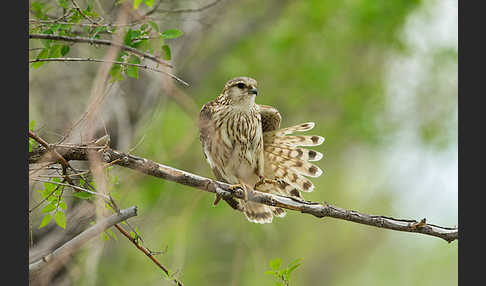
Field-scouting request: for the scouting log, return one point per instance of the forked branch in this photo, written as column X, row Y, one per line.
column 320, row 210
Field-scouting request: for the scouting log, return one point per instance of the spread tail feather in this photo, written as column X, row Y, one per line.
column 287, row 164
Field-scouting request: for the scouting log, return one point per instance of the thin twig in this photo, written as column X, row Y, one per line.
column 102, row 61
column 35, row 21
column 147, row 252
column 74, row 187
column 46, row 145
column 45, row 199
column 64, row 163
column 224, row 190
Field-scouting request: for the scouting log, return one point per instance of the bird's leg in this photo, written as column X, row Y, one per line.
column 262, row 181
column 243, row 186
column 232, row 188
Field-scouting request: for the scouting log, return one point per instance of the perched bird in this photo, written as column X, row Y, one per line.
column 244, row 145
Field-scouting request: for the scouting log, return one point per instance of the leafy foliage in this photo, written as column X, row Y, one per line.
column 55, row 207
column 282, row 275
column 144, row 35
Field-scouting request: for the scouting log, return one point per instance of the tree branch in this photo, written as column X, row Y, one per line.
column 70, row 246
column 147, row 252
column 100, row 42
column 101, row 61
column 149, row 167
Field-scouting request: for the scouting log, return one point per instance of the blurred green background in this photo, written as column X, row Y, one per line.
column 379, row 79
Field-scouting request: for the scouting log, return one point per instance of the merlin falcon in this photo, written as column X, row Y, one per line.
column 245, row 147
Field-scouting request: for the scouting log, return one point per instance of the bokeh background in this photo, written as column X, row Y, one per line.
column 379, row 78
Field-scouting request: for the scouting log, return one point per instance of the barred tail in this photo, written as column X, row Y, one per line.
column 256, row 212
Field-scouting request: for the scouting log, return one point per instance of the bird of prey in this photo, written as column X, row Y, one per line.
column 245, row 147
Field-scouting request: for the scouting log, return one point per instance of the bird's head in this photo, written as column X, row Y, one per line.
column 240, row 91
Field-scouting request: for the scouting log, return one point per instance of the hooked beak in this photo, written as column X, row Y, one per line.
column 253, row 91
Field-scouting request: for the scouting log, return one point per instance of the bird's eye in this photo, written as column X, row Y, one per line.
column 241, row 85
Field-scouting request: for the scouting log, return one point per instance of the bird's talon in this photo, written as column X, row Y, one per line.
column 240, row 186
column 419, row 224
column 237, row 186
column 262, row 181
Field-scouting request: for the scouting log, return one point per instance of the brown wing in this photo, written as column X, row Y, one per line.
column 270, row 118
column 205, row 116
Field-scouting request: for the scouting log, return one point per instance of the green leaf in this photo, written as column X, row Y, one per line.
column 49, row 187
column 295, row 262
column 136, row 3
column 42, row 55
column 171, row 34
column 105, row 236
column 49, row 208
column 53, row 199
column 45, row 220
column 83, row 195
column 63, row 205
column 132, row 71
column 64, row 50
column 166, row 50
column 293, row 267
column 44, row 193
column 60, row 218
column 37, row 8
column 31, row 125
column 149, row 3
column 116, row 73
column 275, row 264
column 154, row 25
column 30, row 146
column 55, row 51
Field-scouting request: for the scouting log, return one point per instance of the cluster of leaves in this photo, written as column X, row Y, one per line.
column 55, row 206
column 282, row 275
column 144, row 36
column 62, row 27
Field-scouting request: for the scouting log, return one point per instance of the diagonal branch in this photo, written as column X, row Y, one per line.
column 72, row 245
column 148, row 253
column 319, row 210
